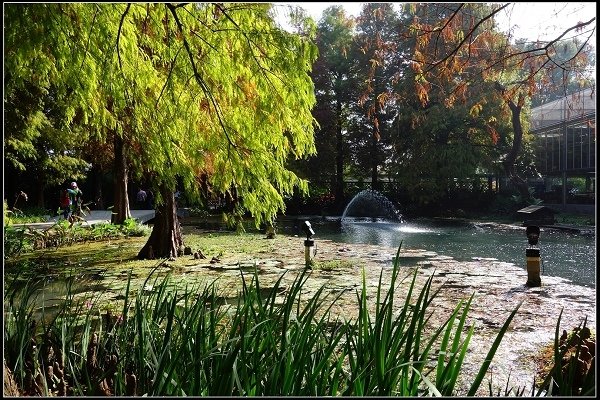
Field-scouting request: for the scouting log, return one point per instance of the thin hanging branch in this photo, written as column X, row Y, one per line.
column 199, row 80
column 119, row 38
column 467, row 37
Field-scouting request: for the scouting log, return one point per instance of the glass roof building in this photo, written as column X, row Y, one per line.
column 565, row 148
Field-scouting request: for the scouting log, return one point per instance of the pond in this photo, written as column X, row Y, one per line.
column 567, row 255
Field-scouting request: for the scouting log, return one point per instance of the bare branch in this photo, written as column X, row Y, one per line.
column 467, row 36
column 168, row 77
column 119, row 35
column 117, row 44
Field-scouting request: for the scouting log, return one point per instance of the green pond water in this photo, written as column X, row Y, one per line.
column 566, row 255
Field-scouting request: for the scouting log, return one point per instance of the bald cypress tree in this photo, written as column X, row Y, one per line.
column 184, row 91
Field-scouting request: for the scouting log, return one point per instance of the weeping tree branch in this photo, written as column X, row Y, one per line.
column 440, row 30
column 250, row 43
column 199, row 80
column 119, row 38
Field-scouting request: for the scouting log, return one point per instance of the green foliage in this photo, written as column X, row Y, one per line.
column 578, row 184
column 529, row 201
column 195, row 89
column 437, row 148
column 369, row 87
column 377, row 50
column 264, row 342
column 39, row 141
column 576, row 219
column 25, row 216
column 329, row 265
column 18, row 240
column 6, row 213
column 335, row 93
column 505, row 203
column 129, row 228
column 19, row 326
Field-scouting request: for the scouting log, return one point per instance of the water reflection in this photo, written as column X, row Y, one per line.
column 49, row 290
column 414, row 229
column 566, row 255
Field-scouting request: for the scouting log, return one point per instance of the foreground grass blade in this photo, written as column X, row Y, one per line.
column 488, row 359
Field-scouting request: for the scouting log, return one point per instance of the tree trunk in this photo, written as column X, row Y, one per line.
column 166, row 240
column 339, row 158
column 121, row 210
column 98, row 200
column 40, row 186
column 41, row 198
column 374, row 164
column 511, row 158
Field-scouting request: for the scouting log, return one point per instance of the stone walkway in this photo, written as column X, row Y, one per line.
column 95, row 217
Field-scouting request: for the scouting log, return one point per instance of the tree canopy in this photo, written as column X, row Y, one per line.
column 217, row 98
column 442, row 95
column 200, row 89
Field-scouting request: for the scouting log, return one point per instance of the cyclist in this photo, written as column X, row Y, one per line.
column 75, row 201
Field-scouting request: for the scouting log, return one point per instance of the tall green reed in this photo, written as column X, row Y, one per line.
column 19, row 345
column 389, row 353
column 174, row 341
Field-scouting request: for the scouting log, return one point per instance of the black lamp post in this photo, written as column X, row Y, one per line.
column 532, row 254
column 309, row 244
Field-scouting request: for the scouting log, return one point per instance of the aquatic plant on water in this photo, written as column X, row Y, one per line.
column 169, row 341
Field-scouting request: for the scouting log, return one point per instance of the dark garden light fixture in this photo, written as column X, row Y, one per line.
column 532, row 254
column 309, row 244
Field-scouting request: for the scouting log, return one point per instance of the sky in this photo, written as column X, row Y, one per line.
column 532, row 21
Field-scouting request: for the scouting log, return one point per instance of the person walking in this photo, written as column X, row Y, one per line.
column 65, row 203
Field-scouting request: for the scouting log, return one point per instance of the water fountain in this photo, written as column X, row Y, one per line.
column 372, row 205
column 371, row 218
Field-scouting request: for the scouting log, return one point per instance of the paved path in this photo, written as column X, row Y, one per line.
column 95, row 217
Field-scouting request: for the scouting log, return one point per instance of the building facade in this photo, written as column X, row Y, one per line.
column 565, row 150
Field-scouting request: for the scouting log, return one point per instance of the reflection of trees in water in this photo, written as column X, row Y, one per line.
column 359, row 233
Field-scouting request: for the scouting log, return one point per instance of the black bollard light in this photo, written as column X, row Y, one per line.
column 309, row 244
column 532, row 254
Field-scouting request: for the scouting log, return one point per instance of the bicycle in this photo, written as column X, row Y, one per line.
column 81, row 211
